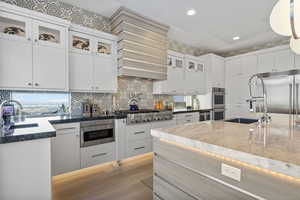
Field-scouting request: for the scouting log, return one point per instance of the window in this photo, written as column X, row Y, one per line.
column 43, row 103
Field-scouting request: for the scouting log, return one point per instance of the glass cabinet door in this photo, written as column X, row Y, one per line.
column 200, row 67
column 15, row 27
column 179, row 62
column 49, row 34
column 191, row 65
column 80, row 43
column 104, row 48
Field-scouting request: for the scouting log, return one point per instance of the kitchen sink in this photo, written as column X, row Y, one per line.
column 23, row 126
column 242, row 120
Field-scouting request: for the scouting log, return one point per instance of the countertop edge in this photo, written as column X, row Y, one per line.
column 27, row 137
column 288, row 169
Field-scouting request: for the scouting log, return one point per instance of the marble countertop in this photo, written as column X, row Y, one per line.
column 275, row 147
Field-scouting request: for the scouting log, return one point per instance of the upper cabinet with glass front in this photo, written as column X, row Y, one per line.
column 33, row 50
column 93, row 61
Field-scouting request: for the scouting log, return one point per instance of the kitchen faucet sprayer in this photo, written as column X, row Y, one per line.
column 265, row 118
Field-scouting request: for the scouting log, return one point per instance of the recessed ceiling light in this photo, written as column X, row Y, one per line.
column 236, row 38
column 191, row 12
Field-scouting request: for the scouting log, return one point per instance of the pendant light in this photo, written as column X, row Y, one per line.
column 285, row 20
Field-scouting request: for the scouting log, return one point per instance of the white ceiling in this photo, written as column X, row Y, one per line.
column 211, row 29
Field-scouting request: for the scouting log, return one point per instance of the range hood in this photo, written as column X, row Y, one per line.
column 142, row 45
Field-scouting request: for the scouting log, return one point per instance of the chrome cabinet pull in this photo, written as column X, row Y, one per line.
column 30, row 84
column 36, row 84
column 137, row 148
column 139, row 132
column 99, row 155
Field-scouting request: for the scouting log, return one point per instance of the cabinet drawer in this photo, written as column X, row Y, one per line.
column 200, row 187
column 251, row 180
column 138, row 132
column 62, row 129
column 165, row 191
column 97, row 154
column 135, row 148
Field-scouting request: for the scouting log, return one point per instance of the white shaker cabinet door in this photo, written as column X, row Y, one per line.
column 284, row 60
column 105, row 74
column 49, row 68
column 15, row 64
column 266, row 62
column 81, row 72
column 65, row 149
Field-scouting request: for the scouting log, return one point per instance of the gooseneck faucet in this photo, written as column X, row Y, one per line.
column 265, row 118
column 3, row 104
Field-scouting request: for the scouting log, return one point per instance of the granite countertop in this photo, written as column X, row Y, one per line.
column 42, row 129
column 275, row 147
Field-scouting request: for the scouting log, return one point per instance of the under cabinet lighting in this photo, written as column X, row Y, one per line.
column 236, row 38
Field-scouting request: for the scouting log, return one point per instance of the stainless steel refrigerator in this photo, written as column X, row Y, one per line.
column 282, row 92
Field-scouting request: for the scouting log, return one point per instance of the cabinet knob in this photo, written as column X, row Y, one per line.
column 29, row 39
column 36, row 40
column 97, row 87
column 30, row 84
column 36, row 84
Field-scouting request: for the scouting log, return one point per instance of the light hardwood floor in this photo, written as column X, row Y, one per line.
column 106, row 182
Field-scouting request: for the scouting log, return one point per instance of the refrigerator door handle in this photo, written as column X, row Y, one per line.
column 297, row 98
column 291, row 99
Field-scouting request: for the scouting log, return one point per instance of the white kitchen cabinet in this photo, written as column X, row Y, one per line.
column 238, row 72
column 136, row 139
column 215, row 70
column 97, row 154
column 275, row 61
column 195, row 79
column 138, row 147
column 50, row 69
column 15, row 73
column 65, row 148
column 183, row 118
column 175, row 76
column 34, row 53
column 81, row 71
column 93, row 61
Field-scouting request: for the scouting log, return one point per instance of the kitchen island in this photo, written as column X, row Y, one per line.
column 224, row 160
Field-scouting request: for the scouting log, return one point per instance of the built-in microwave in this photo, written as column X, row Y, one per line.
column 96, row 132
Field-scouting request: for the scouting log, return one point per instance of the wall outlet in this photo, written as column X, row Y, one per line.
column 231, row 172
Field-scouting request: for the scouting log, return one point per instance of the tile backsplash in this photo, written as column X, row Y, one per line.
column 103, row 100
column 130, row 85
column 4, row 95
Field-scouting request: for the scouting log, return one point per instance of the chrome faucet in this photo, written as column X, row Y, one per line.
column 265, row 118
column 3, row 104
